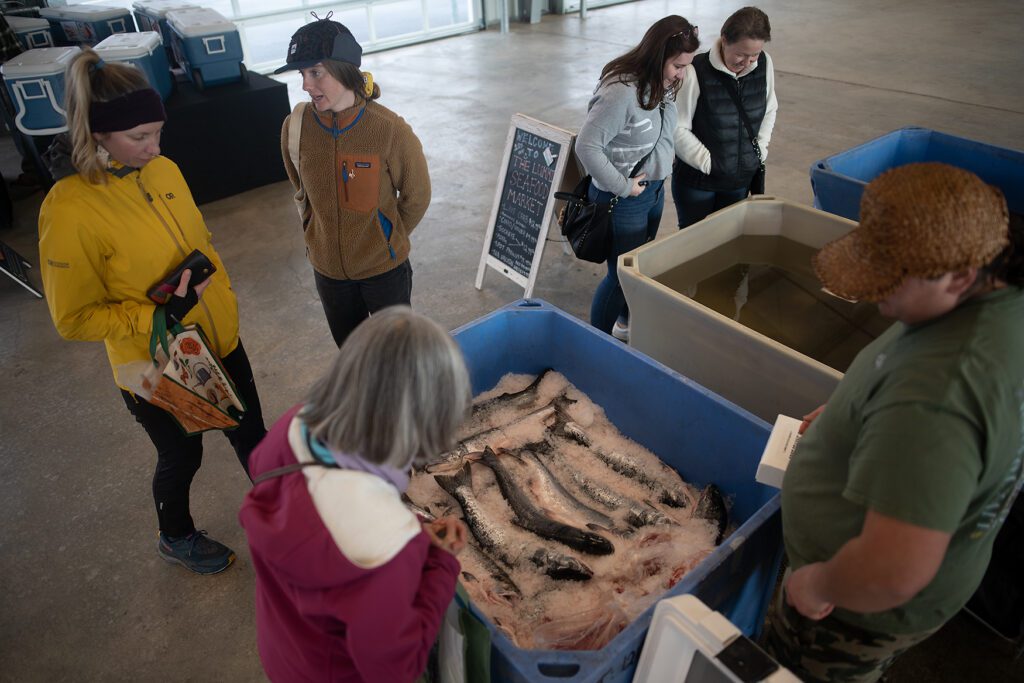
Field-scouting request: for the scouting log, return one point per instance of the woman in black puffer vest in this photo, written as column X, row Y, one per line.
column 715, row 158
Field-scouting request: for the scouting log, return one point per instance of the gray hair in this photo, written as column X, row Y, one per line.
column 397, row 393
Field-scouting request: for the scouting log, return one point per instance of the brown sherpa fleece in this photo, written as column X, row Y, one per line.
column 386, row 173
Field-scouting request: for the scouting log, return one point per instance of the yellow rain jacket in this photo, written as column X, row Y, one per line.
column 101, row 247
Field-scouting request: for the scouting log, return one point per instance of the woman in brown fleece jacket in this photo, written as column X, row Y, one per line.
column 364, row 175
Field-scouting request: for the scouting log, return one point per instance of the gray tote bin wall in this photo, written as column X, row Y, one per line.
column 751, row 370
column 703, row 437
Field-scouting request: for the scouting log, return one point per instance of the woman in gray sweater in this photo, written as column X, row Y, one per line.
column 626, row 145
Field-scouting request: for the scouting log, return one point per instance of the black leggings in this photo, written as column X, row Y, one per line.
column 178, row 456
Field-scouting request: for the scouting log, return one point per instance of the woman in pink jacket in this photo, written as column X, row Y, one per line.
column 351, row 585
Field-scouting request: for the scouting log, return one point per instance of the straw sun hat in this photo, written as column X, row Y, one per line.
column 919, row 220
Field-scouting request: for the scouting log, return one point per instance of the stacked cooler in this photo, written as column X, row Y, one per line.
column 35, row 82
column 142, row 50
column 151, row 15
column 87, row 23
column 31, row 31
column 207, row 46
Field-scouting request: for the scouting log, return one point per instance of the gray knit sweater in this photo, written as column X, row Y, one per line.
column 617, row 133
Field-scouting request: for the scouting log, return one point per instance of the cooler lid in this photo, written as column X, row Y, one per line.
column 129, row 45
column 199, row 22
column 26, row 24
column 40, row 61
column 160, row 8
column 83, row 13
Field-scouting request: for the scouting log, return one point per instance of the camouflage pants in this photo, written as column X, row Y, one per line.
column 829, row 650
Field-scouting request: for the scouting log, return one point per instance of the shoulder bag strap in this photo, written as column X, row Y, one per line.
column 287, row 469
column 661, row 129
column 733, row 90
column 295, row 133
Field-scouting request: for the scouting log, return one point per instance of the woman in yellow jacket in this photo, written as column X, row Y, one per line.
column 120, row 218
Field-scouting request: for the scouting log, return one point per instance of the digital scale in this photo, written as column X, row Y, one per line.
column 688, row 642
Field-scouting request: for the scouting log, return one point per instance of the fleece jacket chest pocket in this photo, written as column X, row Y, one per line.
column 358, row 181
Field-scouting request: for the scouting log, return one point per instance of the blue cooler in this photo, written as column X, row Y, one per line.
column 32, row 32
column 151, row 15
column 838, row 181
column 35, row 82
column 144, row 51
column 87, row 23
column 207, row 46
column 704, row 437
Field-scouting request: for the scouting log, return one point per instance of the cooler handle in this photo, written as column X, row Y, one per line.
column 40, row 39
column 21, row 96
column 214, row 40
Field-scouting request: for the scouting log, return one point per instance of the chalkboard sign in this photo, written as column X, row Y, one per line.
column 532, row 170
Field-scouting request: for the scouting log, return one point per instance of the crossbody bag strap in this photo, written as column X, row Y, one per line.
column 734, row 93
column 661, row 129
column 295, row 133
column 287, row 469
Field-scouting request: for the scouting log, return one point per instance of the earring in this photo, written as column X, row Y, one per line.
column 102, row 155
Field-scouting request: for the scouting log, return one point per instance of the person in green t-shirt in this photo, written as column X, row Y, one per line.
column 898, row 488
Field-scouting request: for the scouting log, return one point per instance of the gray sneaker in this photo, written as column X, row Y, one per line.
column 197, row 552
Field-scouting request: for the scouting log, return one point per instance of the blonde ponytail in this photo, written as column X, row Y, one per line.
column 89, row 79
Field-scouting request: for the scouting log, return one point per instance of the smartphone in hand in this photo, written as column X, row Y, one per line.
column 201, row 267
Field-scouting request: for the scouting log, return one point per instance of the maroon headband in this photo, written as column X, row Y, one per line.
column 127, row 111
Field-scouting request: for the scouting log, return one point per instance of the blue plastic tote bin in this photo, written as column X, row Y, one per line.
column 207, row 46
column 32, row 32
column 703, row 436
column 144, row 51
column 151, row 15
column 838, row 181
column 35, row 81
column 87, row 23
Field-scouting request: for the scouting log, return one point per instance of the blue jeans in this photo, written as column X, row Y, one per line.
column 635, row 222
column 694, row 205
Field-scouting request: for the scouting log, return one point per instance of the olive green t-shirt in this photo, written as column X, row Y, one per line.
column 925, row 427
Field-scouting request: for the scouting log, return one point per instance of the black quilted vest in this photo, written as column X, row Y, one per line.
column 717, row 123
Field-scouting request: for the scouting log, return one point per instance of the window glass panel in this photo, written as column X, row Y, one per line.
column 397, row 18
column 269, row 42
column 222, row 6
column 249, row 7
column 355, row 20
column 441, row 13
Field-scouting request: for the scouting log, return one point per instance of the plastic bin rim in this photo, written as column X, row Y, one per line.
column 523, row 305
column 737, row 327
column 824, row 165
column 633, row 271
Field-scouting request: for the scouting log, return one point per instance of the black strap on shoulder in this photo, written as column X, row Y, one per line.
column 287, row 469
column 639, row 164
column 734, row 93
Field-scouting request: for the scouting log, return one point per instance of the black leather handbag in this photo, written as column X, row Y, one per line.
column 587, row 225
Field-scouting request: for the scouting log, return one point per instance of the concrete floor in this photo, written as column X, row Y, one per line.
column 85, row 596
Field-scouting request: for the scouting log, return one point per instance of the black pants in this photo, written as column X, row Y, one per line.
column 349, row 302
column 178, row 456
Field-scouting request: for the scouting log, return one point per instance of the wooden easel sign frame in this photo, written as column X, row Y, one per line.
column 532, row 168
